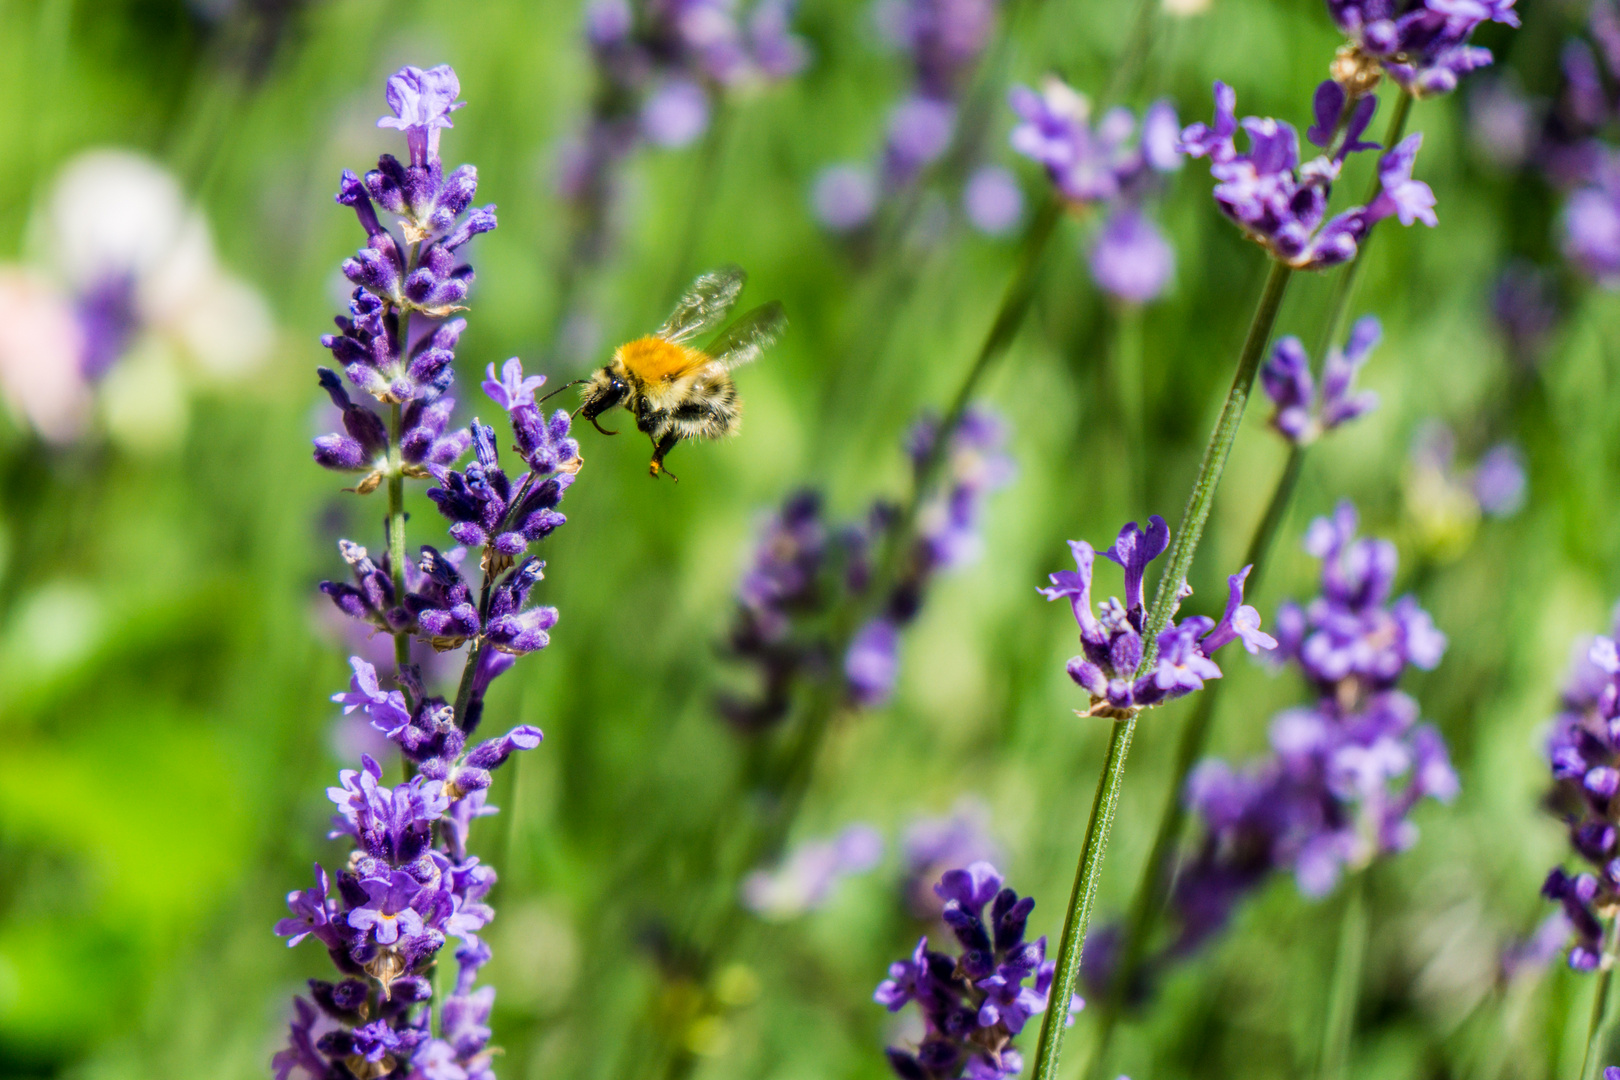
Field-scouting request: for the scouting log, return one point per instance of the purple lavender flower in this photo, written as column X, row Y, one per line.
column 1422, row 46
column 1346, row 771
column 1280, row 203
column 872, row 663
column 974, row 1005
column 1304, row 412
column 1591, row 228
column 1093, row 164
column 1499, row 481
column 844, row 197
column 807, row 877
column 1502, row 122
column 1108, row 667
column 409, row 883
column 1525, row 305
column 1585, row 759
column 992, row 200
column 1130, row 259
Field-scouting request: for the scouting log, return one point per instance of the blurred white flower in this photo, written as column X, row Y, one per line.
column 125, row 277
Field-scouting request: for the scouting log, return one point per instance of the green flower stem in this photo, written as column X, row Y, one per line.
column 1346, row 985
column 1597, row 1029
column 396, row 527
column 1082, row 898
column 1148, row 900
column 1089, row 871
column 1167, row 599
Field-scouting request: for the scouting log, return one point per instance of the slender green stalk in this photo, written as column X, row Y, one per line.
column 1346, row 985
column 1082, row 899
column 1597, row 1029
column 1168, row 597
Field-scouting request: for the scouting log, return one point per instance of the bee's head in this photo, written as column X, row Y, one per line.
column 602, row 392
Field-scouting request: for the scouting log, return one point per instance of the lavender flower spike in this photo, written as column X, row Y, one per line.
column 1281, row 203
column 974, row 1005
column 1305, row 412
column 1585, row 757
column 409, row 883
column 1111, row 644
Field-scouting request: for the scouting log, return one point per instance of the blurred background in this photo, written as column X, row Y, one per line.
column 166, row 661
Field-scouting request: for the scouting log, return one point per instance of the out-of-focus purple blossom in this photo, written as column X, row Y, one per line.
column 1583, row 750
column 920, row 131
column 1108, row 667
column 805, row 565
column 1281, row 203
column 661, row 67
column 942, row 40
column 844, row 197
column 807, row 877
column 1525, row 304
column 1304, row 410
column 1499, row 481
column 675, row 114
column 932, row 846
column 1130, row 259
column 1423, row 46
column 1535, row 954
column 1091, row 164
column 1502, row 122
column 1591, row 227
column 1345, row 772
column 974, row 1005
column 872, row 663
column 1446, row 500
column 992, row 200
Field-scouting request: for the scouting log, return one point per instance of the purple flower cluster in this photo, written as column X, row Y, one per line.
column 410, row 883
column 1584, row 751
column 1110, row 165
column 1107, row 669
column 395, row 276
column 1423, row 46
column 1305, row 411
column 804, row 565
column 406, row 888
column 659, row 65
column 1591, row 225
column 1329, row 797
column 975, row 1004
column 947, row 536
column 943, row 40
column 805, row 880
column 1282, row 204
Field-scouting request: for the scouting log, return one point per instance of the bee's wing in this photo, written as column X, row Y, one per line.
column 752, row 333
column 706, row 302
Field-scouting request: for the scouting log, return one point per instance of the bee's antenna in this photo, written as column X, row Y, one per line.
column 561, row 388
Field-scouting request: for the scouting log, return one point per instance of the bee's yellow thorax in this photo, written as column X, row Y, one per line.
column 652, row 359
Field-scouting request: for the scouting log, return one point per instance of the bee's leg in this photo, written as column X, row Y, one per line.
column 660, row 448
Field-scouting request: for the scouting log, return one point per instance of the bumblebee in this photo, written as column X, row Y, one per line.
column 675, row 390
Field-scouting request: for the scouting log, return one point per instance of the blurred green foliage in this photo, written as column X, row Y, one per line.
column 165, row 733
